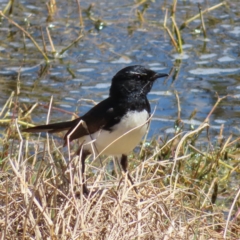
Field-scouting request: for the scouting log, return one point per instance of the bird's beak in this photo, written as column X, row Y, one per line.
column 160, row 75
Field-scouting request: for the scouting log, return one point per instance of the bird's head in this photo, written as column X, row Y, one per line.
column 136, row 80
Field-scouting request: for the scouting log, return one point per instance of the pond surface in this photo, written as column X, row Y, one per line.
column 116, row 34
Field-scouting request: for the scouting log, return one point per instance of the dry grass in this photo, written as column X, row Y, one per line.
column 41, row 193
column 36, row 203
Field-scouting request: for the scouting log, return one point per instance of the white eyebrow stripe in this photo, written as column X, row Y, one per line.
column 137, row 73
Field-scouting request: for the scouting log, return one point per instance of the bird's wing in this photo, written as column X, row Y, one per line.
column 102, row 116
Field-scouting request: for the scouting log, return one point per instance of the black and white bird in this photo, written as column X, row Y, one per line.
column 117, row 124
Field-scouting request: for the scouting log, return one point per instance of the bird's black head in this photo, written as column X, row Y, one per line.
column 136, row 80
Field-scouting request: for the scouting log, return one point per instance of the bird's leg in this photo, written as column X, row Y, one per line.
column 124, row 164
column 83, row 154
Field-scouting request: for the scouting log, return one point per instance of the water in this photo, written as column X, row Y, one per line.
column 115, row 38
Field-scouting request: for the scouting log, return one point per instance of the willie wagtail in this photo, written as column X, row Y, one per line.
column 117, row 124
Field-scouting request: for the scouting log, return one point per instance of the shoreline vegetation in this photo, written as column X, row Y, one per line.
column 184, row 189
column 186, row 186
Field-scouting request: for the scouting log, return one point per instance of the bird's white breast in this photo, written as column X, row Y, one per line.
column 122, row 138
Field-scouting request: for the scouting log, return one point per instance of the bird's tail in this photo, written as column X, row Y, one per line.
column 50, row 128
